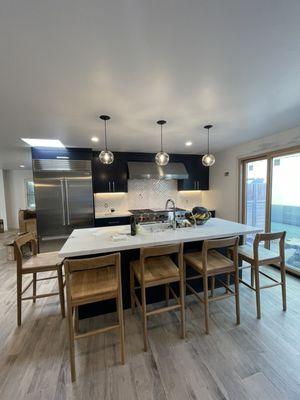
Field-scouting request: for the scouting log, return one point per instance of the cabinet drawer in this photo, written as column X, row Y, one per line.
column 99, row 222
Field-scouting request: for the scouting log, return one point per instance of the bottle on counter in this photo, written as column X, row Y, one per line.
column 132, row 226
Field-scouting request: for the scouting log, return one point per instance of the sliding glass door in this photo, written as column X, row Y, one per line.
column 255, row 194
column 271, row 199
column 285, row 204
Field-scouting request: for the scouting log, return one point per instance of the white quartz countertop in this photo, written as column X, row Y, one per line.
column 91, row 241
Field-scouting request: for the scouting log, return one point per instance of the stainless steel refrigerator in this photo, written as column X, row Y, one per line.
column 64, row 197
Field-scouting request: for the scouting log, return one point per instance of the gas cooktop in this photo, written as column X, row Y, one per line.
column 153, row 210
column 145, row 215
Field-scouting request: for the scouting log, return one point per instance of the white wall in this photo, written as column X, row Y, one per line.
column 15, row 194
column 223, row 194
column 2, row 200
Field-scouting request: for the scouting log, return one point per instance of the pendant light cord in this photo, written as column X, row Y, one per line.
column 105, row 135
column 161, row 139
column 208, row 141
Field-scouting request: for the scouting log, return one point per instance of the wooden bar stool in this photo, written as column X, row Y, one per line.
column 43, row 262
column 155, row 268
column 256, row 256
column 210, row 263
column 88, row 281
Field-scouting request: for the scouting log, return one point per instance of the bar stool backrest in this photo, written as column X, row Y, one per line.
column 267, row 237
column 158, row 251
column 83, row 264
column 74, row 266
column 27, row 238
column 231, row 242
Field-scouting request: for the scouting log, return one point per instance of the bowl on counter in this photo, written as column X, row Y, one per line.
column 198, row 216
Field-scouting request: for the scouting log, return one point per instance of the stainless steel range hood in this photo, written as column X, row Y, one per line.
column 150, row 170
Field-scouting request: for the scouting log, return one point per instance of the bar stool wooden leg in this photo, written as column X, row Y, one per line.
column 283, row 285
column 227, row 282
column 237, row 296
column 61, row 291
column 206, row 311
column 19, row 298
column 132, row 299
column 71, row 342
column 34, row 287
column 257, row 290
column 121, row 323
column 182, row 302
column 184, row 279
column 167, row 292
column 252, row 276
column 213, row 283
column 76, row 319
column 144, row 316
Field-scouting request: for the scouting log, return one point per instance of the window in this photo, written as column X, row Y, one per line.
column 30, row 199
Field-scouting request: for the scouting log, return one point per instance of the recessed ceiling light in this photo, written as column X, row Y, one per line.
column 94, row 139
column 43, row 142
column 22, row 166
column 188, row 143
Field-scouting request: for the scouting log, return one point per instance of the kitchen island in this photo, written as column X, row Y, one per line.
column 96, row 241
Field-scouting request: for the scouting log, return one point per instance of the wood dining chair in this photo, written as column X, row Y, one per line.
column 209, row 263
column 154, row 268
column 91, row 280
column 257, row 256
column 36, row 263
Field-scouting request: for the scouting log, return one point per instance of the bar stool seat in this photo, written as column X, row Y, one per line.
column 94, row 285
column 42, row 262
column 157, row 269
column 264, row 255
column 216, row 262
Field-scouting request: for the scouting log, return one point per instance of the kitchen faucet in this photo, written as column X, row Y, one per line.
column 174, row 211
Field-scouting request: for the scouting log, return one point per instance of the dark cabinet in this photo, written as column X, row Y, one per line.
column 100, row 222
column 198, row 174
column 112, row 177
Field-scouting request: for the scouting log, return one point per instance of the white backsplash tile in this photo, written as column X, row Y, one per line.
column 146, row 193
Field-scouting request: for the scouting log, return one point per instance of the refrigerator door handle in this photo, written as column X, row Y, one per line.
column 67, row 202
column 63, row 202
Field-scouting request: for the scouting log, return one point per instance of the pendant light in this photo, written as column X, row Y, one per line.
column 208, row 159
column 161, row 158
column 106, row 156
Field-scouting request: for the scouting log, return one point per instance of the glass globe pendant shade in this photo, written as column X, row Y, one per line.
column 106, row 157
column 208, row 160
column 162, row 158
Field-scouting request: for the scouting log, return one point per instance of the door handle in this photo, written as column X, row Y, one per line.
column 113, row 186
column 198, row 186
column 194, row 184
column 109, row 187
column 67, row 202
column 63, row 202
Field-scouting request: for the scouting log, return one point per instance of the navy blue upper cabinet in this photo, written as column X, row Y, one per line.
column 198, row 173
column 112, row 177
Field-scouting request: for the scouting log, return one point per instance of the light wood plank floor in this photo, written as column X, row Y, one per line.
column 257, row 360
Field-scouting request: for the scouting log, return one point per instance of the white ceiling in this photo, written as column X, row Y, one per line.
column 233, row 63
